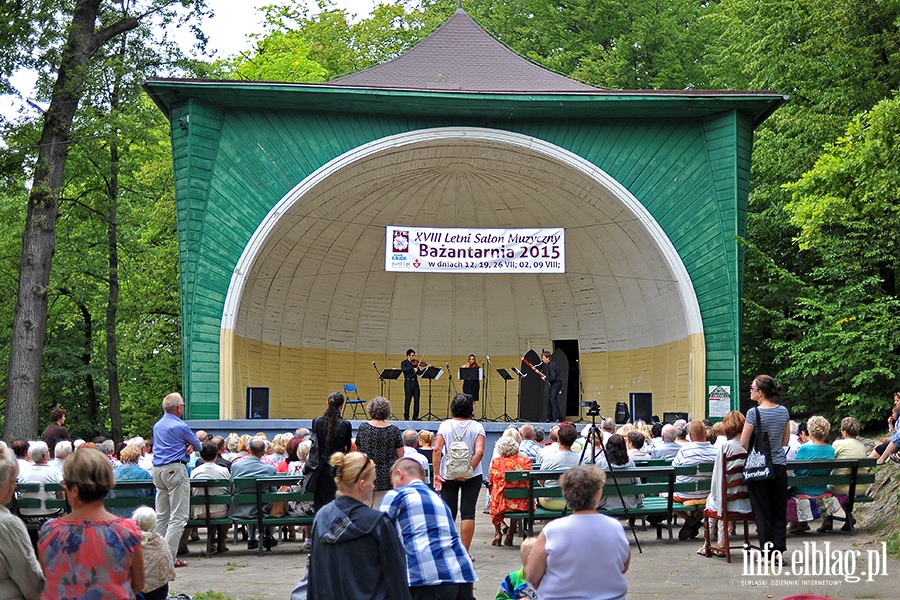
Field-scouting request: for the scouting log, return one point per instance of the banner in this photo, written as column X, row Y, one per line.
column 460, row 250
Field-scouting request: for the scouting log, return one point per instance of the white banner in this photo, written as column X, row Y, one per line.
column 459, row 250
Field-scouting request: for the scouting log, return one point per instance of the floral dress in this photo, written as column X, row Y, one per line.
column 88, row 559
column 499, row 505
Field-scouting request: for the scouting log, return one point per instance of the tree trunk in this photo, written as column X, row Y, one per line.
column 93, row 404
column 39, row 238
column 112, row 302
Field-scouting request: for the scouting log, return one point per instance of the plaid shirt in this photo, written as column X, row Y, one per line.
column 434, row 552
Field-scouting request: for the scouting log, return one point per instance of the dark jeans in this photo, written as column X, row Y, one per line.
column 444, row 591
column 553, row 413
column 411, row 387
column 769, row 502
column 451, row 490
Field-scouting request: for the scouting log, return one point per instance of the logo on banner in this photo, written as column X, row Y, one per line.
column 401, row 241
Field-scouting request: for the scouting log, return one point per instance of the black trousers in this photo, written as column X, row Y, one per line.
column 768, row 499
column 553, row 413
column 411, row 388
column 445, row 591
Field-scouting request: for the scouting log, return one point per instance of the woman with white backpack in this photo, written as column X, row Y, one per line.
column 458, row 449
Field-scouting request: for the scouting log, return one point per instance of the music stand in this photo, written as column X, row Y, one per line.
column 506, row 377
column 431, row 373
column 390, row 375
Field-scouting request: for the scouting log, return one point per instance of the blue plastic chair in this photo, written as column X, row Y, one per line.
column 356, row 402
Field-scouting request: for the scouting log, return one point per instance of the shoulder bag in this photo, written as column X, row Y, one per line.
column 758, row 466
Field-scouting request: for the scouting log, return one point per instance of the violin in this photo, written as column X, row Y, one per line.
column 419, row 364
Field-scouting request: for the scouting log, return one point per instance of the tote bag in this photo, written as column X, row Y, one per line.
column 758, row 466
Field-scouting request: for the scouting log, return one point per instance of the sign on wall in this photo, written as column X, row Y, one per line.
column 461, row 250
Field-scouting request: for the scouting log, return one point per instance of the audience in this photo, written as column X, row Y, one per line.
column 739, row 502
column 561, row 460
column 75, row 550
column 636, row 441
column 21, row 577
column 565, row 562
column 669, row 447
column 251, row 466
column 816, row 449
column 618, row 458
column 515, row 585
column 129, row 470
column 528, row 447
column 509, row 459
column 410, row 441
column 41, row 473
column 381, row 441
column 847, row 446
column 159, row 568
column 210, row 469
column 347, row 529
column 695, row 452
column 438, row 565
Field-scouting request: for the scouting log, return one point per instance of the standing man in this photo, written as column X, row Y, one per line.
column 554, row 378
column 173, row 443
column 438, row 566
column 411, row 371
column 55, row 431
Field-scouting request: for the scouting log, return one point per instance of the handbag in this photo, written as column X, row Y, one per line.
column 758, row 466
column 311, row 468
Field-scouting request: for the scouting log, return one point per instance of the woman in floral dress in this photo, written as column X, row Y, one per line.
column 90, row 553
column 508, row 460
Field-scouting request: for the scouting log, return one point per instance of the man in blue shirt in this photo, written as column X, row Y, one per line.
column 173, row 443
column 437, row 563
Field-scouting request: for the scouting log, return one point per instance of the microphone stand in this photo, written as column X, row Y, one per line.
column 484, row 387
column 449, row 383
column 380, row 378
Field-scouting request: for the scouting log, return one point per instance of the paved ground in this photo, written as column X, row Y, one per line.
column 661, row 571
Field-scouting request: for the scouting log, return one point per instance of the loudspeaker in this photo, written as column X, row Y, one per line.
column 671, row 417
column 621, row 413
column 641, row 404
column 257, row 403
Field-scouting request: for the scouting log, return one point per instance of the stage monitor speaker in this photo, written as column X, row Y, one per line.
column 257, row 403
column 641, row 404
column 671, row 417
column 621, row 413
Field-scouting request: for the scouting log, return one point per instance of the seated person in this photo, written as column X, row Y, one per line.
column 888, row 447
column 561, row 460
column 694, row 453
column 816, row 449
column 636, row 448
column 209, row 469
column 847, row 446
column 617, row 454
column 251, row 466
column 735, row 455
column 515, row 586
column 668, row 447
column 41, row 473
column 129, row 470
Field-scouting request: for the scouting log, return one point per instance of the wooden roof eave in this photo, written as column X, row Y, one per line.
column 605, row 104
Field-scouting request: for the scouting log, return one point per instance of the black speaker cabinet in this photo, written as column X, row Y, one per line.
column 671, row 417
column 257, row 403
column 621, row 413
column 641, row 404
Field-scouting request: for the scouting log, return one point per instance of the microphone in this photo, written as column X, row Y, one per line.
column 488, row 358
column 373, row 363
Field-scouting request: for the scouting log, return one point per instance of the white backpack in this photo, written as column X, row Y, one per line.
column 459, row 457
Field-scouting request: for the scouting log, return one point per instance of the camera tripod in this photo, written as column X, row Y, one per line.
column 595, row 439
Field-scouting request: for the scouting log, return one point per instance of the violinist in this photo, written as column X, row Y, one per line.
column 411, row 368
column 471, row 386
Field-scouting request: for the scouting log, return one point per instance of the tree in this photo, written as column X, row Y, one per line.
column 83, row 42
column 847, row 211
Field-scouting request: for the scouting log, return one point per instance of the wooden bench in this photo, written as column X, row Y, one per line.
column 858, row 479
column 260, row 492
column 128, row 496
column 204, row 494
column 55, row 504
column 657, row 484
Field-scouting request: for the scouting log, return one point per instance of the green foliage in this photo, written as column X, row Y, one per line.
column 847, row 212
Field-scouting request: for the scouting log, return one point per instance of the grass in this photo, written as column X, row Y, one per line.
column 231, row 566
